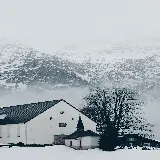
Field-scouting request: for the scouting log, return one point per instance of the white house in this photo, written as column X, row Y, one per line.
column 86, row 140
column 82, row 139
column 40, row 123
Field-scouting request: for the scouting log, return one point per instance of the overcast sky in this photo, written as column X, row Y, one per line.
column 52, row 24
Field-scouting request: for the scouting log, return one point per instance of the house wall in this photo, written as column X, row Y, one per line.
column 41, row 129
column 95, row 142
column 86, row 142
column 89, row 142
column 9, row 133
column 75, row 143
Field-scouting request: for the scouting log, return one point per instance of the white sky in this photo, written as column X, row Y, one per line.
column 52, row 24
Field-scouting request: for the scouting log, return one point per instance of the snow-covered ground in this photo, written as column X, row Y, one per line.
column 64, row 153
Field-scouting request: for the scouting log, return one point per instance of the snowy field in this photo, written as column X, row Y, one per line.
column 64, row 153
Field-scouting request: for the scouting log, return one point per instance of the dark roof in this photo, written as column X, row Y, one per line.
column 24, row 113
column 137, row 136
column 77, row 134
column 134, row 135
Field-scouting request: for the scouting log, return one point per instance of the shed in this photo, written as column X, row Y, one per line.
column 82, row 140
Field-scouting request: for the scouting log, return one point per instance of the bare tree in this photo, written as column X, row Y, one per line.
column 119, row 105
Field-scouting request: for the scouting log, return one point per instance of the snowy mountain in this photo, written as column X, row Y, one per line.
column 136, row 66
column 24, row 67
column 126, row 65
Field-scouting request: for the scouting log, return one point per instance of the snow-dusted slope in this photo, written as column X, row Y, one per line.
column 22, row 67
column 136, row 66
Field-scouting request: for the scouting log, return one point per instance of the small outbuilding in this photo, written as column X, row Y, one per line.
column 82, row 140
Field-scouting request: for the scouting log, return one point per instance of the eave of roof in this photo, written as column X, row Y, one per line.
column 78, row 134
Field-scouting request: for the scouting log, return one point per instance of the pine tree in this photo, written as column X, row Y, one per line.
column 80, row 126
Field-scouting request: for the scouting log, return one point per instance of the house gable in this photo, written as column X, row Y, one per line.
column 64, row 113
column 43, row 128
column 24, row 113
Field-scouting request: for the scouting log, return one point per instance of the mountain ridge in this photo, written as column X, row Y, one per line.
column 26, row 66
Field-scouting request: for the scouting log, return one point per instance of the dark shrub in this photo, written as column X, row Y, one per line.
column 20, row 144
column 109, row 139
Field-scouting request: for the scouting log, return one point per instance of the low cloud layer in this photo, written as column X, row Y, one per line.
column 50, row 25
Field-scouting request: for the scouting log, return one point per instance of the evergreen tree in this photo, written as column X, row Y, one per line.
column 109, row 138
column 80, row 126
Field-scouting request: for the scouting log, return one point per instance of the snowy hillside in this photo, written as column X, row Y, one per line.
column 132, row 65
column 22, row 67
column 136, row 66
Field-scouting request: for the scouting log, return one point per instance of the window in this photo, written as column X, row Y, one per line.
column 62, row 124
column 131, row 139
column 8, row 131
column 58, row 139
column 146, row 144
column 3, row 116
column 61, row 112
column 0, row 131
column 18, row 131
column 70, row 143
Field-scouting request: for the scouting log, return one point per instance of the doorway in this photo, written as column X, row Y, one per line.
column 80, row 144
column 71, row 143
column 58, row 139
